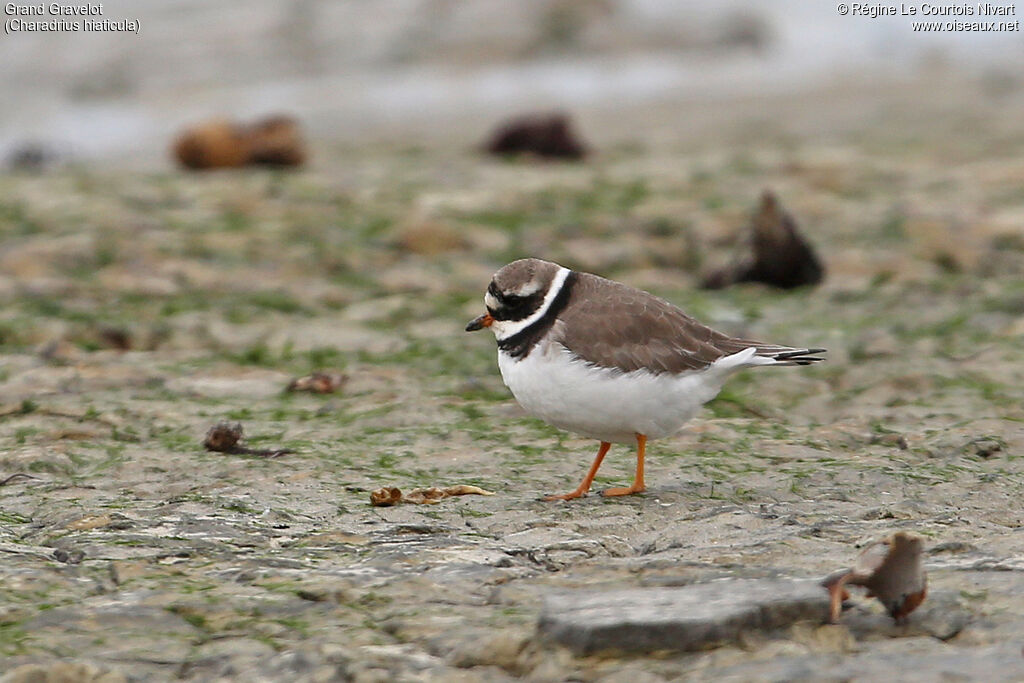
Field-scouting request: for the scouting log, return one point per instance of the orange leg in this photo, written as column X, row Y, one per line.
column 837, row 593
column 638, row 480
column 584, row 486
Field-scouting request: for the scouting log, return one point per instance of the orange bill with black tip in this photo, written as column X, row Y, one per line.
column 480, row 322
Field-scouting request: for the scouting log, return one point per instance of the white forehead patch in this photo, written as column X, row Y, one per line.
column 490, row 301
column 526, row 289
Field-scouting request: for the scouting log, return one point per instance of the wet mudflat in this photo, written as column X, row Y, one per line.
column 140, row 309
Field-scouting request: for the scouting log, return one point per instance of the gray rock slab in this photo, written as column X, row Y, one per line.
column 996, row 664
column 682, row 618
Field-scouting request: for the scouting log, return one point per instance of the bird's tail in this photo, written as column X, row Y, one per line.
column 788, row 356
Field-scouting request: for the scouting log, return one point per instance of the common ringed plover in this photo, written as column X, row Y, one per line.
column 607, row 361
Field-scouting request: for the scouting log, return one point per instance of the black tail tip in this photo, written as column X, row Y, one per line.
column 800, row 356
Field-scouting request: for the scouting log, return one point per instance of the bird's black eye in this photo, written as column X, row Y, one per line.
column 507, row 300
column 510, row 306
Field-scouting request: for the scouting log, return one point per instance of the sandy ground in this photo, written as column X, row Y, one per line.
column 132, row 553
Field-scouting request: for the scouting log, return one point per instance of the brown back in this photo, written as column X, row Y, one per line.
column 616, row 326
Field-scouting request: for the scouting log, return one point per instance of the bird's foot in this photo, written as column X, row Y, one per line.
column 566, row 496
column 624, row 490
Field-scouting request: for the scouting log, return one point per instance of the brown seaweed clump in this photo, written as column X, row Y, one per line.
column 212, row 144
column 225, row 437
column 891, row 570
column 780, row 255
column 115, row 338
column 276, row 141
column 548, row 136
column 220, row 143
column 392, row 495
column 318, row 382
column 33, row 157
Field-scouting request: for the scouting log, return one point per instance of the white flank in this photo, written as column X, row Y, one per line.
column 506, row 328
column 550, row 383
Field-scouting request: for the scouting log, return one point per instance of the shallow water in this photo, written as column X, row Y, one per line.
column 351, row 72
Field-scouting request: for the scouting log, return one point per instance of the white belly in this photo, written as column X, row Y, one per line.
column 603, row 404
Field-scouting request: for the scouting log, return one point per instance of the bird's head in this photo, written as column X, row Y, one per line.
column 515, row 296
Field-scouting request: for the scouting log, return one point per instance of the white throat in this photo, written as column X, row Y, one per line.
column 504, row 329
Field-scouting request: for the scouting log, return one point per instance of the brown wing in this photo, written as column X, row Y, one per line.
column 615, row 326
